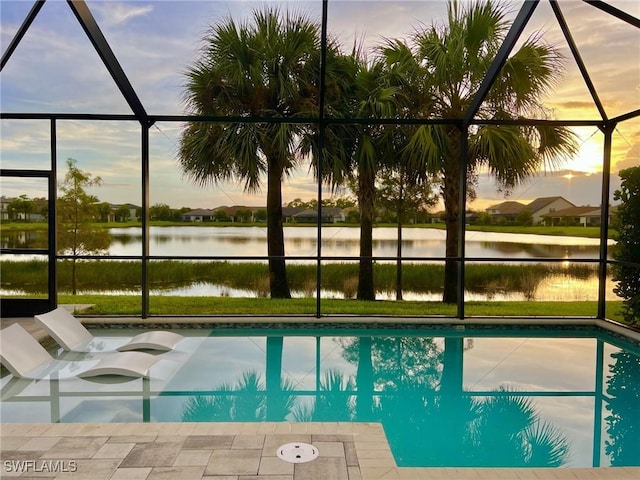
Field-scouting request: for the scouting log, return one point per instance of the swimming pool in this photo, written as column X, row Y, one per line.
column 445, row 397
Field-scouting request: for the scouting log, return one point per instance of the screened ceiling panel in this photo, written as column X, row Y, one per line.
column 55, row 69
column 157, row 42
column 610, row 48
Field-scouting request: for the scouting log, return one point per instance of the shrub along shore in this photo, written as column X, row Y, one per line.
column 120, row 275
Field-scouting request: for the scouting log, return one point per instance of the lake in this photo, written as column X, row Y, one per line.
column 342, row 241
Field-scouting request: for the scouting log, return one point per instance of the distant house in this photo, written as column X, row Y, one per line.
column 115, row 207
column 508, row 210
column 539, row 208
column 545, row 205
column 4, row 207
column 239, row 213
column 289, row 212
column 329, row 215
column 198, row 215
column 586, row 216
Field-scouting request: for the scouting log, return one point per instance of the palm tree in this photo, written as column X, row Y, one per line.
column 455, row 59
column 267, row 69
column 356, row 153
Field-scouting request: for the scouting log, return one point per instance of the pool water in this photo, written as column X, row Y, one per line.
column 468, row 397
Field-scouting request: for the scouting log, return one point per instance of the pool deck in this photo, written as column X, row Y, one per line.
column 231, row 451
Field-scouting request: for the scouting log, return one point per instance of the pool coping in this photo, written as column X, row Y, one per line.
column 609, row 326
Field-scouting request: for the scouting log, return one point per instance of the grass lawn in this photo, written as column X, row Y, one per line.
column 194, row 306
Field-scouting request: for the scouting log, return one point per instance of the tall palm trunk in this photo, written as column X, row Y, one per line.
column 366, row 193
column 278, row 283
column 452, row 207
column 364, row 381
column 400, row 219
column 275, row 399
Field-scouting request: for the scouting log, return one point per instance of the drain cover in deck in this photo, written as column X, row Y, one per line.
column 297, row 452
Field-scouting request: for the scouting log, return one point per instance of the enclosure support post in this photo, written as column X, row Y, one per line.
column 52, row 233
column 321, row 129
column 462, row 216
column 145, row 220
column 604, row 222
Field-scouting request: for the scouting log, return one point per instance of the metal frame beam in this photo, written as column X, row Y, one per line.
column 605, row 7
column 100, row 43
column 626, row 116
column 510, row 40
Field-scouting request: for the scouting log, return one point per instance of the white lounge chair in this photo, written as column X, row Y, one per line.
column 71, row 335
column 24, row 357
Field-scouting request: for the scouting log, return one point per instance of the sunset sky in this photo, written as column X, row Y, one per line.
column 56, row 70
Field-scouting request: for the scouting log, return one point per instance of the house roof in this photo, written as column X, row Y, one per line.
column 291, row 211
column 506, row 208
column 540, row 203
column 234, row 209
column 326, row 212
column 583, row 211
column 200, row 212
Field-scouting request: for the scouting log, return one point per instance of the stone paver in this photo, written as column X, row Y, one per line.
column 234, row 462
column 334, row 468
column 274, row 466
column 152, row 455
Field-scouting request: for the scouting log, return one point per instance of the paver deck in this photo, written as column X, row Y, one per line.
column 230, row 451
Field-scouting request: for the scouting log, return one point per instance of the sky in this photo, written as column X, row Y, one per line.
column 56, row 70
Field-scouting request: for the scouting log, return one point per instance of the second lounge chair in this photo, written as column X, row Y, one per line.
column 71, row 335
column 24, row 357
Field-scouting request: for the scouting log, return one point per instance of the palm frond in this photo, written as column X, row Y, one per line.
column 546, row 446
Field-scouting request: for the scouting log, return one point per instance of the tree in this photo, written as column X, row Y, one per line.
column 260, row 215
column 221, row 216
column 356, row 153
column 123, row 213
column 104, row 211
column 627, row 253
column 268, row 68
column 456, row 57
column 161, row 211
column 399, row 194
column 76, row 212
column 484, row 218
column 525, row 218
column 623, row 420
column 21, row 208
column 243, row 215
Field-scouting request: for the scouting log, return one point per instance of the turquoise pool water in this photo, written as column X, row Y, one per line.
column 445, row 397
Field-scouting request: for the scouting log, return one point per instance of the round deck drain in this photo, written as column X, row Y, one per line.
column 297, row 452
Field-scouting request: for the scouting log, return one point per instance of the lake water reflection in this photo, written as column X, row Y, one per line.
column 341, row 241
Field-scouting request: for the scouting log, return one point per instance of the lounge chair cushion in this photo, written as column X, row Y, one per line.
column 20, row 352
column 71, row 335
column 155, row 340
column 126, row 364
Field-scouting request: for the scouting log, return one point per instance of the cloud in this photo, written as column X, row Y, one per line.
column 574, row 105
column 116, row 13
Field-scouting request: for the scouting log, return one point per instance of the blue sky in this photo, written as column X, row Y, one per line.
column 55, row 69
